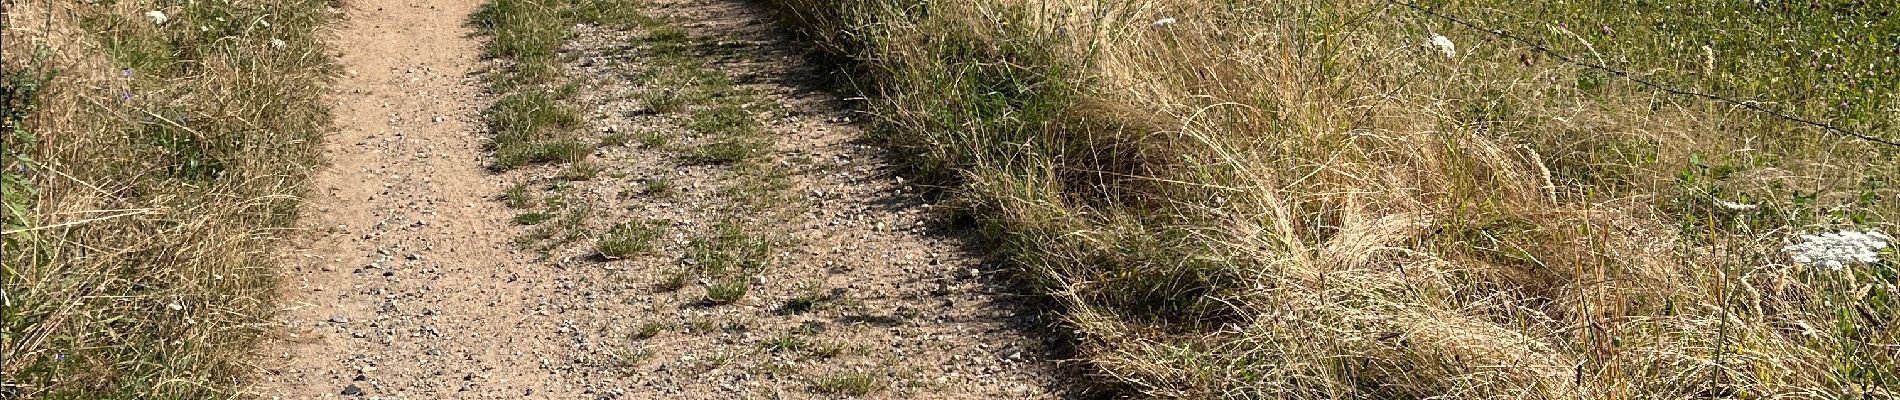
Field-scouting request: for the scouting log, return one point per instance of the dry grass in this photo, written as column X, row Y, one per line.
column 1304, row 200
column 151, row 170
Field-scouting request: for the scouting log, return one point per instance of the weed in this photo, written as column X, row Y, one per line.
column 675, row 279
column 654, row 140
column 724, row 120
column 657, row 186
column 852, row 384
column 650, row 329
column 517, row 196
column 627, row 239
column 809, row 328
column 580, row 171
column 525, row 153
column 825, row 350
column 663, row 100
column 729, row 251
column 723, row 152
column 626, row 358
column 702, row 325
column 618, row 14
column 786, row 343
column 727, row 290
column 801, row 304
column 615, row 139
column 533, row 218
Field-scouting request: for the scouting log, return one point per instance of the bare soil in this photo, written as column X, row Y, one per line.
column 411, row 281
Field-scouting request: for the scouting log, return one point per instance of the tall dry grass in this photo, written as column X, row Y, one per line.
column 150, row 169
column 1306, row 200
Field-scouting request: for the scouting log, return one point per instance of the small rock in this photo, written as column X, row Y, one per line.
column 352, row 390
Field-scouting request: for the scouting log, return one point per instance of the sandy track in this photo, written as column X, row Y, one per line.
column 405, row 287
column 410, row 282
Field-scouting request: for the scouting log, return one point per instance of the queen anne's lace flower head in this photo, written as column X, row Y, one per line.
column 1838, row 250
column 1444, row 45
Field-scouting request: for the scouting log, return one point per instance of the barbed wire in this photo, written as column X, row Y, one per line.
column 1567, row 59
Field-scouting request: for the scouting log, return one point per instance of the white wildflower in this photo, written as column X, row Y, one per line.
column 1164, row 22
column 158, row 17
column 276, row 43
column 1837, row 250
column 1444, row 45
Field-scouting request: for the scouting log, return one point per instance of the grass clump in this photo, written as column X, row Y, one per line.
column 650, row 329
column 146, row 168
column 727, row 290
column 1204, row 185
column 723, row 152
column 658, row 186
column 580, row 171
column 851, row 384
column 729, row 250
column 518, row 196
column 627, row 239
column 802, row 303
column 784, row 343
column 727, row 259
column 616, row 14
column 533, row 218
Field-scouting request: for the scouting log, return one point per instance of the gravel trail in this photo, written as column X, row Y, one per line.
column 406, row 286
column 413, row 283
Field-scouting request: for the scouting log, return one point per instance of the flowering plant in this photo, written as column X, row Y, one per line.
column 1837, row 250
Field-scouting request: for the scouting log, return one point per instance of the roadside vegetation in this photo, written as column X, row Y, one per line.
column 151, row 155
column 1359, row 200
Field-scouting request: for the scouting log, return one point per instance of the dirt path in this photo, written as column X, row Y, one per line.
column 417, row 282
column 406, row 287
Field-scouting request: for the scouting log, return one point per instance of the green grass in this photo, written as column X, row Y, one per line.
column 729, row 250
column 628, row 239
column 616, row 14
column 533, row 218
column 1829, row 61
column 802, row 303
column 785, row 343
column 658, row 186
column 654, row 140
column 518, row 196
column 580, row 171
column 142, row 172
column 674, row 280
column 723, row 152
column 727, row 259
column 727, row 290
column 650, row 329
